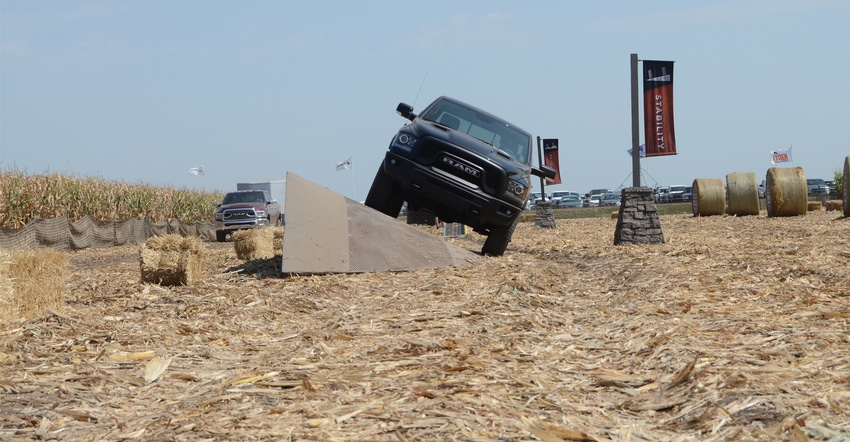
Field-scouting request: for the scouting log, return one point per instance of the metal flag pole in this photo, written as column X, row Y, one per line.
column 353, row 193
column 540, row 164
column 635, row 124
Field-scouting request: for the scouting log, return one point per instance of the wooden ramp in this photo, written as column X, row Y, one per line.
column 328, row 233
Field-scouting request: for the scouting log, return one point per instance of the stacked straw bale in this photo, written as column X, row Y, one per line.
column 262, row 243
column 786, row 192
column 172, row 260
column 743, row 193
column 709, row 197
column 31, row 281
column 847, row 186
column 814, row 206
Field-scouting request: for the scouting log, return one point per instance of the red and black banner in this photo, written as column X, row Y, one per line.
column 550, row 158
column 658, row 108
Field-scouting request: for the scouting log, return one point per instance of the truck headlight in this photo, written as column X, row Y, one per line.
column 517, row 190
column 405, row 140
column 261, row 214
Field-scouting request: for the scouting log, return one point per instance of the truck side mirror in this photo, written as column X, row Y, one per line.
column 406, row 111
column 544, row 172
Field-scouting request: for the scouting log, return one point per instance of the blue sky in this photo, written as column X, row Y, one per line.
column 141, row 91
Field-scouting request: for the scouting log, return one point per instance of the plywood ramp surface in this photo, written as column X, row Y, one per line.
column 328, row 233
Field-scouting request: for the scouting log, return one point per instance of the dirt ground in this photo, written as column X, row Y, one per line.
column 734, row 329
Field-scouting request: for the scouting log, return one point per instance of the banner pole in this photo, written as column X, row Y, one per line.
column 540, row 164
column 635, row 124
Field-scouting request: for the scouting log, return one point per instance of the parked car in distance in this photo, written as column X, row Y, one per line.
column 533, row 199
column 610, row 199
column 660, row 193
column 586, row 197
column 762, row 189
column 675, row 194
column 594, row 200
column 689, row 194
column 558, row 194
column 570, row 201
column 817, row 187
column 598, row 192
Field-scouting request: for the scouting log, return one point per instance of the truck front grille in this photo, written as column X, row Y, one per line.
column 461, row 164
column 239, row 215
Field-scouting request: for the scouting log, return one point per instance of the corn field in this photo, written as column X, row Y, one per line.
column 24, row 198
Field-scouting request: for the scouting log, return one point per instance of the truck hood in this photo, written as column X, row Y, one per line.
column 255, row 206
column 423, row 129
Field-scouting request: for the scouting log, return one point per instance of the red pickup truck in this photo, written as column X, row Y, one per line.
column 245, row 209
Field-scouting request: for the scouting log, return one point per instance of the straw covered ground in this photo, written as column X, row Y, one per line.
column 738, row 328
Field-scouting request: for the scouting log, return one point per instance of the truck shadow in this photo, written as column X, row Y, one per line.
column 260, row 268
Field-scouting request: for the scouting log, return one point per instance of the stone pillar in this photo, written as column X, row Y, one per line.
column 544, row 217
column 638, row 221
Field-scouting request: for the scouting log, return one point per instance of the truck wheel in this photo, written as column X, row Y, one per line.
column 385, row 196
column 498, row 239
column 220, row 236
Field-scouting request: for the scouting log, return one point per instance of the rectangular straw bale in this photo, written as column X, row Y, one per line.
column 278, row 241
column 814, row 206
column 833, row 205
column 262, row 243
column 31, row 281
column 172, row 260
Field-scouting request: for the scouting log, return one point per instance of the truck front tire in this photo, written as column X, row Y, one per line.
column 385, row 196
column 220, row 236
column 498, row 239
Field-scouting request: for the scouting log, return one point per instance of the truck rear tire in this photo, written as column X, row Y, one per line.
column 385, row 196
column 498, row 239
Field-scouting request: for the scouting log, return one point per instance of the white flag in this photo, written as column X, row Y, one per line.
column 343, row 165
column 781, row 156
column 197, row 171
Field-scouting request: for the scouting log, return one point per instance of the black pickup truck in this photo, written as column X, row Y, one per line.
column 245, row 209
column 462, row 164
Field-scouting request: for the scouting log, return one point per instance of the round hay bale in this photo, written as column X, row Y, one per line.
column 814, row 206
column 786, row 191
column 709, row 197
column 847, row 186
column 743, row 193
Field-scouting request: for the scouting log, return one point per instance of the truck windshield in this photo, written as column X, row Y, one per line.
column 248, row 197
column 495, row 132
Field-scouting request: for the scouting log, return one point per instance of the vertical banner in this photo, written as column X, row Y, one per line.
column 550, row 158
column 658, row 108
